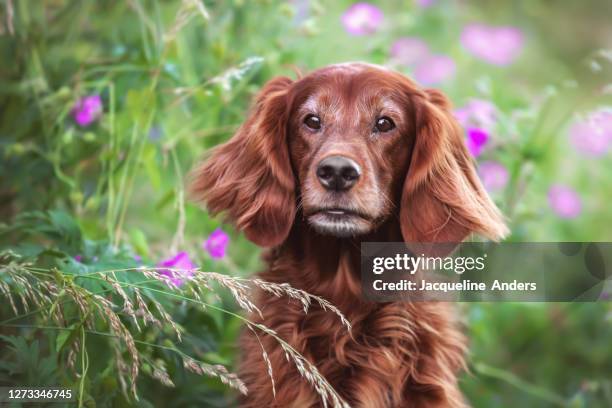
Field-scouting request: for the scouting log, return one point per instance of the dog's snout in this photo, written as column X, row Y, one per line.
column 338, row 173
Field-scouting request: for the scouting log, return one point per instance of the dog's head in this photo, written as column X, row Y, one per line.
column 350, row 146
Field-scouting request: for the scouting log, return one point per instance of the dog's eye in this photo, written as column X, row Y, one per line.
column 384, row 124
column 313, row 122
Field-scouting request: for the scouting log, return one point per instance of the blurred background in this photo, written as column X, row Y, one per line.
column 105, row 106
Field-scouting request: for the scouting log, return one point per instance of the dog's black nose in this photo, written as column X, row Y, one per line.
column 338, row 173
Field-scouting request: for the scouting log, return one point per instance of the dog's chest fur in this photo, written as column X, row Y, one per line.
column 396, row 354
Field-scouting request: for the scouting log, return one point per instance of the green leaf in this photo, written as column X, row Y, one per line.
column 139, row 241
column 151, row 166
column 65, row 225
column 65, row 337
column 165, row 199
column 10, row 368
column 140, row 103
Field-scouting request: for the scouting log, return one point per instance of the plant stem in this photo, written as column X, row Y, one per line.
column 84, row 366
column 515, row 381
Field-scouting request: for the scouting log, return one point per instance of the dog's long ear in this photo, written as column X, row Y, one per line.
column 250, row 177
column 443, row 200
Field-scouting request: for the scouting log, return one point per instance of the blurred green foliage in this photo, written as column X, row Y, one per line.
column 176, row 77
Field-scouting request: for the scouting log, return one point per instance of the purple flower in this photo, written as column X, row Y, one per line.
column 593, row 136
column 425, row 3
column 435, row 69
column 87, row 110
column 138, row 258
column 409, row 51
column 429, row 68
column 155, row 133
column 362, row 19
column 494, row 175
column 216, row 244
column 564, row 201
column 182, row 267
column 497, row 45
column 303, row 10
column 78, row 258
column 476, row 140
column 477, row 112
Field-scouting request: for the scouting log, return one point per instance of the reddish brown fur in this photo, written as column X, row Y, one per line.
column 419, row 185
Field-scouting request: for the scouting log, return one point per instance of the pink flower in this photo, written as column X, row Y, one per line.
column 435, row 69
column 182, row 268
column 362, row 19
column 494, row 175
column 409, row 51
column 497, row 45
column 429, row 68
column 564, row 201
column 477, row 112
column 476, row 140
column 593, row 136
column 78, row 258
column 87, row 110
column 425, row 3
column 216, row 244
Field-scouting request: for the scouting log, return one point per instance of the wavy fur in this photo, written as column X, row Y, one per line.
column 398, row 354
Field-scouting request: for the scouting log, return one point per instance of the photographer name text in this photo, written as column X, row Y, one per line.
column 466, row 285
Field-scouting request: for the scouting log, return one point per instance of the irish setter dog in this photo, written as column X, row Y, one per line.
column 348, row 154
